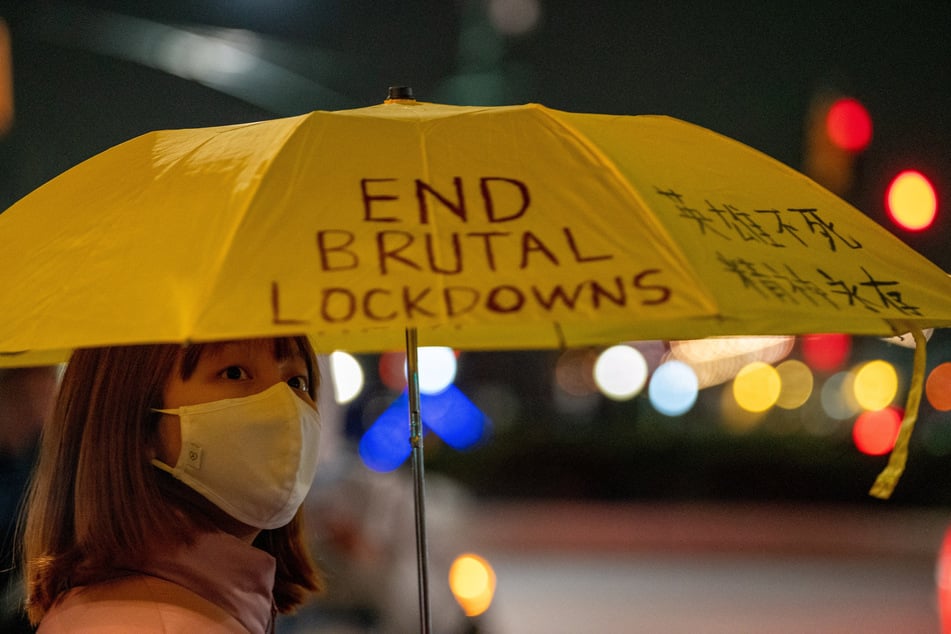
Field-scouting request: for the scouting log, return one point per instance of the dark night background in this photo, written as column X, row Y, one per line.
column 88, row 75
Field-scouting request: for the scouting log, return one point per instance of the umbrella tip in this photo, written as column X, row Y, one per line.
column 399, row 94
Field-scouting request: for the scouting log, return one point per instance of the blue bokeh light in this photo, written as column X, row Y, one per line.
column 673, row 388
column 454, row 418
column 449, row 414
column 385, row 445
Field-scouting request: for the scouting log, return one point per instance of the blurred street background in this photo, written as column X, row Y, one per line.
column 593, row 505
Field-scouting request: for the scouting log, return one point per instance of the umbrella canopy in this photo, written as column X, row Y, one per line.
column 481, row 227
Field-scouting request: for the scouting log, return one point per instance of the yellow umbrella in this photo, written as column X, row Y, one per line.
column 474, row 227
column 484, row 228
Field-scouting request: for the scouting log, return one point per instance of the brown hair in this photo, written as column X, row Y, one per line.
column 96, row 504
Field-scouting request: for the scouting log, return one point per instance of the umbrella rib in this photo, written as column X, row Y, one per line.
column 240, row 210
column 426, row 175
column 609, row 165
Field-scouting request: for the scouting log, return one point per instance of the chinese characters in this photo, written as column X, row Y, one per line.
column 771, row 227
column 784, row 284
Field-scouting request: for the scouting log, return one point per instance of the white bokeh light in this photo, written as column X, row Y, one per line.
column 837, row 397
column 437, row 368
column 620, row 372
column 347, row 376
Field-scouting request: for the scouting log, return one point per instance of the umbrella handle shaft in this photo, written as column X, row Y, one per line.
column 419, row 490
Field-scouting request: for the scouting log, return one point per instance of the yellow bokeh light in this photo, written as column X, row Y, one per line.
column 875, row 385
column 911, row 200
column 756, row 387
column 796, row 384
column 472, row 582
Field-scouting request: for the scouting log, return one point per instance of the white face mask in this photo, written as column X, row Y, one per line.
column 253, row 457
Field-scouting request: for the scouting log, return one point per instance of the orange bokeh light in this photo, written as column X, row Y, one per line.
column 938, row 387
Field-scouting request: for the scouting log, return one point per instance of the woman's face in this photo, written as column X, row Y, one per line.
column 227, row 370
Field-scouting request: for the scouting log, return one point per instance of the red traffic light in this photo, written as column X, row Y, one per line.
column 849, row 125
column 911, row 201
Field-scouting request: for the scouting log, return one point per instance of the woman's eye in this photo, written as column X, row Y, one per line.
column 298, row 383
column 234, row 373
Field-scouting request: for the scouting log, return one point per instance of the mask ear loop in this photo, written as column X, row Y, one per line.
column 887, row 480
column 152, row 440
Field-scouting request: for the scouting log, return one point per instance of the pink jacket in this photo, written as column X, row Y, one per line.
column 221, row 585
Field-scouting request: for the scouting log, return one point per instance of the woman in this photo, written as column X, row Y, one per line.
column 167, row 490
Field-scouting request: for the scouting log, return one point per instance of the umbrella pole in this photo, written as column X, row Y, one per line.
column 419, row 491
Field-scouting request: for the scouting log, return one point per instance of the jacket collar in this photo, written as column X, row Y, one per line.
column 225, row 570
